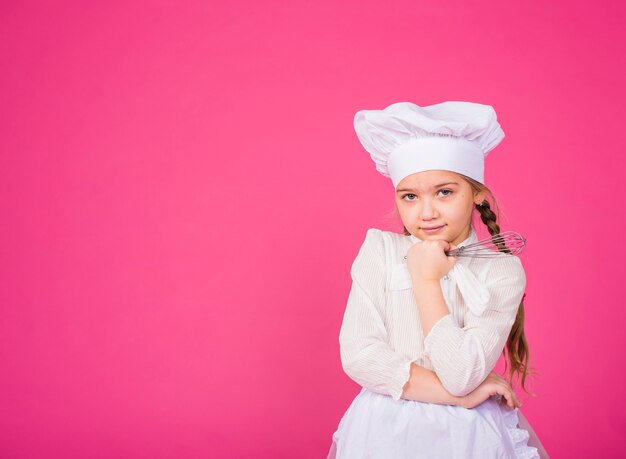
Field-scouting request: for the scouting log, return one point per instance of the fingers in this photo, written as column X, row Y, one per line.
column 505, row 389
column 511, row 398
column 439, row 242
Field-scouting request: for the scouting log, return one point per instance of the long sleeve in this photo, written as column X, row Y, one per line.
column 365, row 354
column 463, row 357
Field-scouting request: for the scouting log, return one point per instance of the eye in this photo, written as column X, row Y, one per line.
column 446, row 189
column 408, row 194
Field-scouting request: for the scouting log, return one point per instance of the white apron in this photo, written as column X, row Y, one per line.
column 376, row 426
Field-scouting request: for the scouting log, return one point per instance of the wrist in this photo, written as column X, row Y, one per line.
column 461, row 401
column 425, row 284
column 427, row 280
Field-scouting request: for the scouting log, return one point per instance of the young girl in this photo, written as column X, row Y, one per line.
column 422, row 331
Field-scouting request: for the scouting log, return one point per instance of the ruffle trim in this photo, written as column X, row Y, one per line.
column 520, row 436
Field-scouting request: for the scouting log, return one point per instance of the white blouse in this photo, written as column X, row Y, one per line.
column 381, row 332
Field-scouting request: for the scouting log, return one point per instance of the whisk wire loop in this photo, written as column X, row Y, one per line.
column 509, row 242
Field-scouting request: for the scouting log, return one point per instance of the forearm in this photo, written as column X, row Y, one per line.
column 455, row 355
column 431, row 303
column 424, row 386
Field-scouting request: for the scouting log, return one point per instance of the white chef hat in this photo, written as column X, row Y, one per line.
column 405, row 138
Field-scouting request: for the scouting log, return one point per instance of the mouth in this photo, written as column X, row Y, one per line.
column 432, row 229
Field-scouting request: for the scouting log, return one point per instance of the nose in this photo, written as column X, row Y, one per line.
column 428, row 210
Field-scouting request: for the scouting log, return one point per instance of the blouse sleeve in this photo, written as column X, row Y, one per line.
column 463, row 357
column 365, row 354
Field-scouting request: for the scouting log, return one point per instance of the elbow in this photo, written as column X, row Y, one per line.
column 454, row 384
column 349, row 361
column 355, row 355
column 347, row 366
column 462, row 370
column 460, row 379
column 362, row 366
column 355, row 359
column 458, row 390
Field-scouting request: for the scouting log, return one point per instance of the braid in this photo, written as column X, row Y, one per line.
column 489, row 218
column 516, row 344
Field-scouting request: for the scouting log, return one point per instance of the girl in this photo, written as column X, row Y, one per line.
column 422, row 331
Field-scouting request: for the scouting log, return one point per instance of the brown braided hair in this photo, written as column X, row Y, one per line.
column 516, row 349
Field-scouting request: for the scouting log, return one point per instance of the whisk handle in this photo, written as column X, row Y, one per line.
column 454, row 252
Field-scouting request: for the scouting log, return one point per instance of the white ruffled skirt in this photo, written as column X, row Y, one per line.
column 376, row 426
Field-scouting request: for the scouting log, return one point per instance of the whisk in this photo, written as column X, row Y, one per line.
column 507, row 242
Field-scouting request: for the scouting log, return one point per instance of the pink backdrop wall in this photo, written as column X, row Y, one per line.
column 182, row 196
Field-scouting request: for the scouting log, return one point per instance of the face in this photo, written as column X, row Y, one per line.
column 437, row 199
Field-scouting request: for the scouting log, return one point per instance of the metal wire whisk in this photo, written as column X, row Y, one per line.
column 507, row 242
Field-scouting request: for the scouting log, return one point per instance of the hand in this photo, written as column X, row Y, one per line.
column 427, row 261
column 494, row 384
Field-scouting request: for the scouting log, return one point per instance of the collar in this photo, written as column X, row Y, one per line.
column 475, row 293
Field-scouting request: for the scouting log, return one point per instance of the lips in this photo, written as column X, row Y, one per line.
column 433, row 229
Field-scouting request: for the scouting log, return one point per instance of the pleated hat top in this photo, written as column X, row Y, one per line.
column 405, row 138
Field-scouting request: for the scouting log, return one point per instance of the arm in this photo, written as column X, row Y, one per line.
column 365, row 355
column 428, row 292
column 463, row 357
column 425, row 386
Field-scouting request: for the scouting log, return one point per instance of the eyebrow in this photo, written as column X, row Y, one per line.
column 436, row 186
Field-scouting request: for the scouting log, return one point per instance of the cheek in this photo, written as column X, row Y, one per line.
column 460, row 214
column 407, row 213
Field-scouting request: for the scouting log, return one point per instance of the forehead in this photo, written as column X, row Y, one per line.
column 429, row 179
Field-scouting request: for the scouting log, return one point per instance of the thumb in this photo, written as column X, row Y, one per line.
column 452, row 259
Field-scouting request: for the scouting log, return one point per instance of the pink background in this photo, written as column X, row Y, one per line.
column 183, row 194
